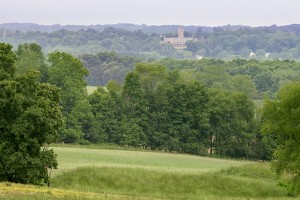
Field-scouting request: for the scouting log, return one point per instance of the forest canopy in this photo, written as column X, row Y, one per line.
column 226, row 42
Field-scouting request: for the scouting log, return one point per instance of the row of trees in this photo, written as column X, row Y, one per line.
column 106, row 66
column 263, row 43
column 155, row 108
column 255, row 78
column 220, row 42
column 160, row 109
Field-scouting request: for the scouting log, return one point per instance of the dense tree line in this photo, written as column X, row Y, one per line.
column 260, row 43
column 106, row 66
column 227, row 42
column 197, row 107
column 158, row 109
column 155, row 107
column 149, row 29
column 255, row 78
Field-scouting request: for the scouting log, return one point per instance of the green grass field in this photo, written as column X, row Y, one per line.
column 70, row 158
column 87, row 173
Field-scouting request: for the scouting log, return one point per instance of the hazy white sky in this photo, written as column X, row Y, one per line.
column 152, row 12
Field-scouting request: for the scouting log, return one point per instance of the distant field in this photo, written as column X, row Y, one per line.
column 70, row 158
column 87, row 173
column 91, row 89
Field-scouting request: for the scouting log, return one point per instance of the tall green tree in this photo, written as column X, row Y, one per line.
column 187, row 113
column 105, row 126
column 69, row 74
column 231, row 123
column 30, row 56
column 134, row 112
column 30, row 116
column 153, row 83
column 281, row 119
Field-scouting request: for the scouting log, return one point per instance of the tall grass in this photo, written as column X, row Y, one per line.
column 117, row 174
column 153, row 184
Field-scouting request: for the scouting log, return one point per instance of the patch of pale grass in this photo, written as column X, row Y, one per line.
column 30, row 192
column 91, row 89
column 71, row 158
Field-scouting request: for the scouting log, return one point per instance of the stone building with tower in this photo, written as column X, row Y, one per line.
column 177, row 42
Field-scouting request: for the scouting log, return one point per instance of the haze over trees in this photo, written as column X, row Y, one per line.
column 197, row 106
column 255, row 78
column 201, row 107
column 225, row 42
column 156, row 107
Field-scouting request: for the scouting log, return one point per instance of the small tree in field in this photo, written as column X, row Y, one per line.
column 282, row 120
column 30, row 117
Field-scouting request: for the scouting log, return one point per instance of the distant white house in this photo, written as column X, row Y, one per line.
column 199, row 57
column 252, row 54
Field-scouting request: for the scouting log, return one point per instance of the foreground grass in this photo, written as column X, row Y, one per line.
column 29, row 192
column 129, row 183
column 151, row 184
column 117, row 174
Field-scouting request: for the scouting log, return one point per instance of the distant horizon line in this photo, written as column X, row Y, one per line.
column 128, row 23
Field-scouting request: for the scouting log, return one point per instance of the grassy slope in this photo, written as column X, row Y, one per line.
column 70, row 158
column 117, row 174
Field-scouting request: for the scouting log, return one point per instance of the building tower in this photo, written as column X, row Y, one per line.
column 180, row 32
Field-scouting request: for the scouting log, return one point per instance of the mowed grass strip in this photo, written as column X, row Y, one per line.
column 30, row 192
column 155, row 184
column 71, row 158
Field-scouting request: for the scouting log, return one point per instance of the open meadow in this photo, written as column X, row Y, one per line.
column 95, row 173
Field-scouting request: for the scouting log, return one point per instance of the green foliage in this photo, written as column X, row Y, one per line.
column 68, row 73
column 134, row 112
column 159, row 109
column 226, row 42
column 30, row 116
column 232, row 123
column 107, row 66
column 7, row 60
column 255, row 78
column 105, row 127
column 30, row 56
column 204, row 106
column 281, row 119
column 187, row 111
